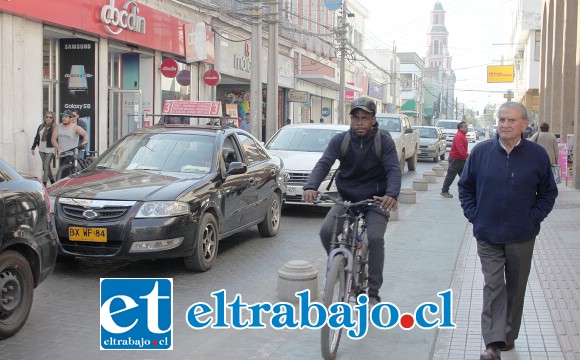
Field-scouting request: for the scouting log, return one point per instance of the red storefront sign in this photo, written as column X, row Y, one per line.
column 212, row 77
column 169, row 68
column 122, row 20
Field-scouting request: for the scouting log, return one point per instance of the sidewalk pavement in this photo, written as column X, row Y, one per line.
column 551, row 319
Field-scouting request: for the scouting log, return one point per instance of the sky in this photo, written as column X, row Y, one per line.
column 476, row 29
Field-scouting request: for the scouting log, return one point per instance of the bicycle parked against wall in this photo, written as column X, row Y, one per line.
column 76, row 164
column 347, row 265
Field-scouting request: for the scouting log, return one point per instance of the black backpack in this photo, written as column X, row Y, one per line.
column 344, row 148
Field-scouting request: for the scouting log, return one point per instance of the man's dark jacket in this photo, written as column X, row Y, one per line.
column 361, row 174
column 506, row 197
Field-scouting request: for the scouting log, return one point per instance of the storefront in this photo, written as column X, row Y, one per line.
column 234, row 64
column 102, row 58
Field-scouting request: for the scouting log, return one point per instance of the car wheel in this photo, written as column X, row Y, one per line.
column 206, row 245
column 412, row 161
column 17, row 287
column 269, row 227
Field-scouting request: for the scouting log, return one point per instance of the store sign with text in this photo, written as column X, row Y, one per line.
column 129, row 21
column 77, row 79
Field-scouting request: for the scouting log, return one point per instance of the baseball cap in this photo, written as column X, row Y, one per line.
column 365, row 104
column 67, row 113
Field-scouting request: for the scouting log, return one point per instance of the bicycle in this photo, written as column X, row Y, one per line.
column 78, row 164
column 347, row 265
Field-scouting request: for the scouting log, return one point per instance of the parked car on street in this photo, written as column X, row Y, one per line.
column 449, row 128
column 471, row 135
column 432, row 144
column 169, row 191
column 406, row 138
column 300, row 146
column 28, row 246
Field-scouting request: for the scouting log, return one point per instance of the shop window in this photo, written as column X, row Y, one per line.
column 178, row 87
column 49, row 75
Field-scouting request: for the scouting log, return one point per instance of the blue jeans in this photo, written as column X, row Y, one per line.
column 376, row 222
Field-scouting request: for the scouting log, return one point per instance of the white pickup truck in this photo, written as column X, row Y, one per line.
column 406, row 138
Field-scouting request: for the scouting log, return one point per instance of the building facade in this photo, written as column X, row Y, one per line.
column 559, row 88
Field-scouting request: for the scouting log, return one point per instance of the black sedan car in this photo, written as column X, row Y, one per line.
column 169, row 191
column 28, row 246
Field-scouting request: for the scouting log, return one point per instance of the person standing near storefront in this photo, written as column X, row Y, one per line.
column 65, row 138
column 245, row 124
column 43, row 140
column 78, row 121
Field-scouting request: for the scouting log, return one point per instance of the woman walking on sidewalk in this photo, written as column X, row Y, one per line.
column 42, row 140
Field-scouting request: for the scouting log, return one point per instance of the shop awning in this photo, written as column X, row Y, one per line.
column 326, row 81
column 409, row 105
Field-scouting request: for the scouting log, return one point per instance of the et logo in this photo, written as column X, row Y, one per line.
column 136, row 314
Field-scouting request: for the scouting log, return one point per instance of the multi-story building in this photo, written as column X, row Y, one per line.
column 412, row 88
column 559, row 89
column 525, row 50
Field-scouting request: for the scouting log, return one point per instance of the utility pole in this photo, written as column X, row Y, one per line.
column 255, row 81
column 272, row 99
column 342, row 31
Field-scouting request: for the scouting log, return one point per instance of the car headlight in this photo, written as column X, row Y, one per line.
column 153, row 209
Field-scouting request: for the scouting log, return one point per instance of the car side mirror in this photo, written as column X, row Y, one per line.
column 237, row 168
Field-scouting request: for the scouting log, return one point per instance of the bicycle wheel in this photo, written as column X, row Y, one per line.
column 65, row 171
column 333, row 292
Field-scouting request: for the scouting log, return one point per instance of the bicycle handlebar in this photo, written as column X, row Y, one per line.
column 345, row 203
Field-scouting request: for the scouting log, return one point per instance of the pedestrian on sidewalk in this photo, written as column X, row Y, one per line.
column 506, row 190
column 43, row 140
column 65, row 138
column 457, row 157
column 548, row 141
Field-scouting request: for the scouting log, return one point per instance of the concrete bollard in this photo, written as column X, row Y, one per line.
column 439, row 171
column 444, row 164
column 430, row 176
column 420, row 185
column 407, row 196
column 296, row 276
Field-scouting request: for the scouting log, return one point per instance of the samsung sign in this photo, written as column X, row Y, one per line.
column 116, row 20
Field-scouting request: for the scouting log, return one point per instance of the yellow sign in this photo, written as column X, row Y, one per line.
column 500, row 74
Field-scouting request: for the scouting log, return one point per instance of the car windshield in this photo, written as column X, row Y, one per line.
column 430, row 133
column 301, row 139
column 164, row 152
column 389, row 123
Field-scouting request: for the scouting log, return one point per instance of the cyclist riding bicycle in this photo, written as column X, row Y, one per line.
column 361, row 175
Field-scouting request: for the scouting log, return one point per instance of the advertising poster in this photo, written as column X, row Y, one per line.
column 77, row 79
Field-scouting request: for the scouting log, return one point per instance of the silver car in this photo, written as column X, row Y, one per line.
column 300, row 146
column 431, row 143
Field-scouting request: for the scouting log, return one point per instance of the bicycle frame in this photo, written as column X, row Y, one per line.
column 347, row 245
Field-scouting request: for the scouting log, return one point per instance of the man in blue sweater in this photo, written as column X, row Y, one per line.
column 506, row 190
column 362, row 175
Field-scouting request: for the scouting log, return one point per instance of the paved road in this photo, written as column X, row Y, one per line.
column 422, row 251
